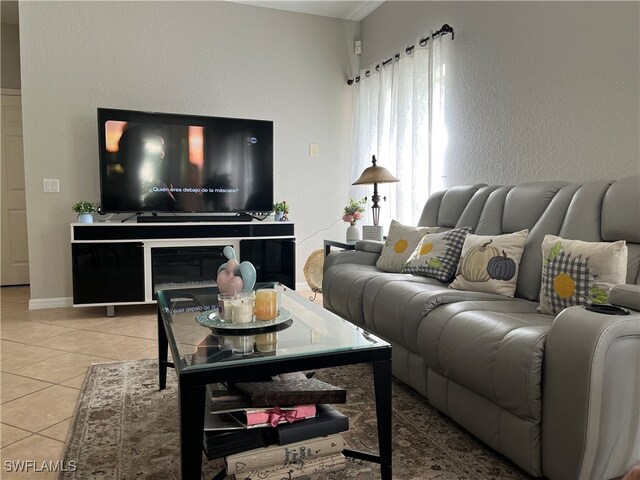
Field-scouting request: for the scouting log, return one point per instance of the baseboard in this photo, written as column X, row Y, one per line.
column 40, row 303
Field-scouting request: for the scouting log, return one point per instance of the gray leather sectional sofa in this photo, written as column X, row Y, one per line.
column 559, row 396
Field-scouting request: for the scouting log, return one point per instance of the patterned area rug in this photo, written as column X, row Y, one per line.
column 125, row 429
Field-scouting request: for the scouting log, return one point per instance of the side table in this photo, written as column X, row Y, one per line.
column 334, row 243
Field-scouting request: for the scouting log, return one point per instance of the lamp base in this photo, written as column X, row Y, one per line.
column 372, row 232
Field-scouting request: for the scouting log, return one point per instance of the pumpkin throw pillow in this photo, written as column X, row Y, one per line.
column 437, row 254
column 400, row 244
column 489, row 263
column 576, row 272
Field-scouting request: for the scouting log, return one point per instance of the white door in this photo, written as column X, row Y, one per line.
column 13, row 228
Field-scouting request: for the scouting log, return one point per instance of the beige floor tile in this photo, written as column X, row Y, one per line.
column 130, row 327
column 81, row 340
column 183, row 329
column 16, row 386
column 9, row 434
column 193, row 338
column 149, row 353
column 29, row 332
column 36, row 448
column 127, row 348
column 75, row 382
column 51, row 315
column 58, row 431
column 78, row 323
column 108, row 346
column 16, row 355
column 14, row 295
column 60, row 369
column 42, row 409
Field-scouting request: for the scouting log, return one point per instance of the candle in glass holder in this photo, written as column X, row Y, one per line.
column 267, row 342
column 243, row 344
column 224, row 306
column 266, row 304
column 242, row 309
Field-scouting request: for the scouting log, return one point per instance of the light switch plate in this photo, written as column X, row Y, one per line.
column 51, row 185
column 313, row 150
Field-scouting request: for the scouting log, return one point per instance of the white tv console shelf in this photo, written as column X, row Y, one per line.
column 119, row 263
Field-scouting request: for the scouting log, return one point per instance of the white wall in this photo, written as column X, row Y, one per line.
column 537, row 90
column 205, row 58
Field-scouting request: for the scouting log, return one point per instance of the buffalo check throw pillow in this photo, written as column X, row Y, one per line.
column 576, row 272
column 437, row 255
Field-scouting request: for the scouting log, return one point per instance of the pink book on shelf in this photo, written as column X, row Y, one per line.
column 277, row 415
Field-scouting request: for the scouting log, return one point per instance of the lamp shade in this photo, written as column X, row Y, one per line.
column 375, row 174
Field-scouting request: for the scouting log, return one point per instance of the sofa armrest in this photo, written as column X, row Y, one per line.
column 625, row 295
column 591, row 395
column 372, row 246
column 350, row 256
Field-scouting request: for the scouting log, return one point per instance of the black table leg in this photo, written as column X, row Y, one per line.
column 163, row 346
column 382, row 380
column 192, row 401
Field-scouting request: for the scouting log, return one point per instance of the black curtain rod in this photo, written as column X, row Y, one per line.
column 423, row 42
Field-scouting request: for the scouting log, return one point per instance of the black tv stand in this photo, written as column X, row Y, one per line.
column 120, row 263
column 240, row 217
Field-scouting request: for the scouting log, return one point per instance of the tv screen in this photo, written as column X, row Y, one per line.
column 160, row 162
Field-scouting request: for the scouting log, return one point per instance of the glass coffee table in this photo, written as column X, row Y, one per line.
column 311, row 338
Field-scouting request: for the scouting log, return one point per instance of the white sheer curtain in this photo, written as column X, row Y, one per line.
column 398, row 116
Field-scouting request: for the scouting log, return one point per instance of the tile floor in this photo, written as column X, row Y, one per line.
column 44, row 356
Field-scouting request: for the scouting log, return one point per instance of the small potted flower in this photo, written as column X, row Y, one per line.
column 352, row 213
column 85, row 211
column 281, row 210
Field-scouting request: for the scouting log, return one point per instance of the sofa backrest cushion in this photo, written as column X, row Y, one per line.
column 443, row 209
column 550, row 222
column 525, row 204
column 592, row 211
column 582, row 217
column 621, row 220
column 490, row 221
column 429, row 216
column 472, row 212
column 621, row 211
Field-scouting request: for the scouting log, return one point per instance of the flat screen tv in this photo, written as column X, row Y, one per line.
column 161, row 162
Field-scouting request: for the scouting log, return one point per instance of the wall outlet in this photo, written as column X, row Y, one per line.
column 313, row 150
column 51, row 185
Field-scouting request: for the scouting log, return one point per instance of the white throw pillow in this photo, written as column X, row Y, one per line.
column 490, row 263
column 400, row 244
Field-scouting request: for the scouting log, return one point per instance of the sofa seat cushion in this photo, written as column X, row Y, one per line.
column 394, row 307
column 495, row 349
column 343, row 286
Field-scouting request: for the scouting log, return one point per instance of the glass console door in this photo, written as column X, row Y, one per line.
column 107, row 272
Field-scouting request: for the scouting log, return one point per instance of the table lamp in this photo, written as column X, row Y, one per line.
column 375, row 175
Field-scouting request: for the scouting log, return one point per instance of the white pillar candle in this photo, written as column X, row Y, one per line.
column 242, row 310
